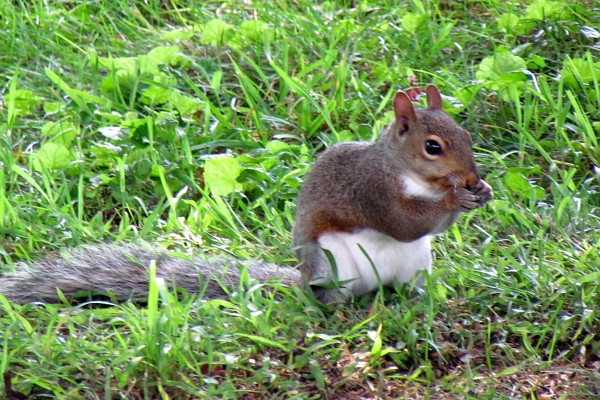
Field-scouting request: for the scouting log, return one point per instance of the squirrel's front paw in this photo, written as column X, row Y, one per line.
column 465, row 200
column 482, row 191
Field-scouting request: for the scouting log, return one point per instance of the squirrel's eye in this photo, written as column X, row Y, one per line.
column 433, row 147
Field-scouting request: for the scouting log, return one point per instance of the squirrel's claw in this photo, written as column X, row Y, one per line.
column 484, row 193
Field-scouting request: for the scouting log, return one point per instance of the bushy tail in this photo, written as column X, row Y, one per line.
column 121, row 270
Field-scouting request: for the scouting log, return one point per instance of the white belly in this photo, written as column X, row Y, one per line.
column 395, row 261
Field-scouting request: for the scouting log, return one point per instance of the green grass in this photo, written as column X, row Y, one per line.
column 193, row 123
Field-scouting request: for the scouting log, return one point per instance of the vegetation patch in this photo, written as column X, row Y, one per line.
column 192, row 124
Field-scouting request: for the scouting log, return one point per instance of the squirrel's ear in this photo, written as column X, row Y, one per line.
column 404, row 110
column 434, row 98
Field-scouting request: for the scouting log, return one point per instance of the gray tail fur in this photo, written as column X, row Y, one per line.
column 121, row 270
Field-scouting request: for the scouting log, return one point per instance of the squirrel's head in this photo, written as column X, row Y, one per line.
column 431, row 144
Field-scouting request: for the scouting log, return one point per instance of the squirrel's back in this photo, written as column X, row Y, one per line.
column 121, row 270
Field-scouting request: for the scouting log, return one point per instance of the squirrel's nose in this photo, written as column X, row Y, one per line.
column 471, row 180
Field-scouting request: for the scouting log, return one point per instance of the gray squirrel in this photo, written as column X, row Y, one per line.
column 365, row 217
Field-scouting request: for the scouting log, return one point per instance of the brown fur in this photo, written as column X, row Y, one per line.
column 358, row 185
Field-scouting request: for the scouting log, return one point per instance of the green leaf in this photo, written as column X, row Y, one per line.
column 25, row 102
column 128, row 64
column 579, row 70
column 253, row 32
column 518, row 183
column 375, row 336
column 185, row 105
column 60, row 132
column 591, row 277
column 508, row 22
column 53, row 107
column 52, row 156
column 159, row 90
column 276, row 146
column 164, row 55
column 505, row 73
column 217, row 32
column 536, row 62
column 497, row 67
column 215, row 81
column 543, row 10
column 104, row 154
column 262, row 341
column 510, row 371
column 126, row 68
column 442, row 291
column 413, row 22
column 180, row 34
column 527, row 171
column 220, row 175
column 80, row 97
